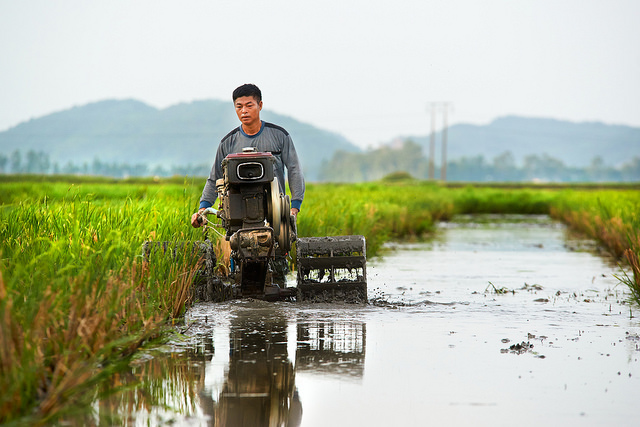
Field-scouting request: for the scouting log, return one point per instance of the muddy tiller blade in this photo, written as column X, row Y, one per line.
column 332, row 268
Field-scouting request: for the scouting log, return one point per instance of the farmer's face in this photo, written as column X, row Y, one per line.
column 248, row 110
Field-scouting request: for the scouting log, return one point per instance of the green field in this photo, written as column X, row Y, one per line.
column 77, row 298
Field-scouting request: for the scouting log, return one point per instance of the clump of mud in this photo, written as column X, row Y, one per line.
column 518, row 348
column 521, row 348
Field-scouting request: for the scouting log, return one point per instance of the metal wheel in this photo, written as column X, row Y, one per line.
column 273, row 211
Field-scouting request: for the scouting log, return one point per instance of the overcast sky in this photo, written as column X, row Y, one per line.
column 366, row 69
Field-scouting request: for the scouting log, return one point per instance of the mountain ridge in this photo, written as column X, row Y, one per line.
column 188, row 133
column 574, row 143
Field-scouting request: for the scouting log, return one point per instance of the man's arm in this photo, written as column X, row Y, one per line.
column 294, row 172
column 209, row 193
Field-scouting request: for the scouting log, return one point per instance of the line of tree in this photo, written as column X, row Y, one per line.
column 38, row 162
column 355, row 167
column 409, row 157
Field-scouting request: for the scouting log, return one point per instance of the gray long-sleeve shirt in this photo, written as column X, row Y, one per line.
column 272, row 139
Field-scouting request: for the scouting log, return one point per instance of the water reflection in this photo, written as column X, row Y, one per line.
column 241, row 372
column 259, row 389
column 331, row 348
column 151, row 389
column 259, row 385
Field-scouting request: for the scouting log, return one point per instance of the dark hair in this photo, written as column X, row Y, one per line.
column 247, row 90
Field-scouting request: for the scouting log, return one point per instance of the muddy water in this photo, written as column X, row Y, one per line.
column 496, row 321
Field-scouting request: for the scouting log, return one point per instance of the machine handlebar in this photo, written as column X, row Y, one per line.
column 202, row 216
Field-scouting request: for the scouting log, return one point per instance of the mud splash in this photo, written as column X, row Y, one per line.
column 494, row 320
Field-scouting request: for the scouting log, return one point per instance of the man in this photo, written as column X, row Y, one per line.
column 266, row 137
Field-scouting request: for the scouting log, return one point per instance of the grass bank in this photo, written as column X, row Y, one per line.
column 612, row 217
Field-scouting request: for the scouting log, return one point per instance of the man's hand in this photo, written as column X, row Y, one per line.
column 294, row 212
column 196, row 219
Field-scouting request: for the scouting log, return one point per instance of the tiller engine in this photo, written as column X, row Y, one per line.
column 258, row 223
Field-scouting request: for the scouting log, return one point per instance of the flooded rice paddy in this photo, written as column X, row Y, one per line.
column 494, row 321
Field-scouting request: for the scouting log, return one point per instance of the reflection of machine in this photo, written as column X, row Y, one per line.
column 240, row 373
column 259, row 389
column 331, row 348
column 259, row 227
column 257, row 386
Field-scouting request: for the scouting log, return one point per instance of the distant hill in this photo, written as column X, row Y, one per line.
column 575, row 144
column 130, row 131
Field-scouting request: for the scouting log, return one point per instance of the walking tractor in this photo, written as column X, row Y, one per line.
column 261, row 231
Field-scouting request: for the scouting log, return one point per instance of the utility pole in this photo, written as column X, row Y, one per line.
column 434, row 107
column 443, row 168
column 432, row 142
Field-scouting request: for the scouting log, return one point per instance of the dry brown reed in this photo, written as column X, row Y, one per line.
column 222, row 250
column 178, row 294
column 613, row 233
column 11, row 346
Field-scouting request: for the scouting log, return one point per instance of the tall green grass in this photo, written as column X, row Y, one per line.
column 377, row 211
column 76, row 296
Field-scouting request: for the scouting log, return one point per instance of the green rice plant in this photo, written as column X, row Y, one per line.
column 76, row 294
column 499, row 291
column 377, row 211
column 482, row 200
